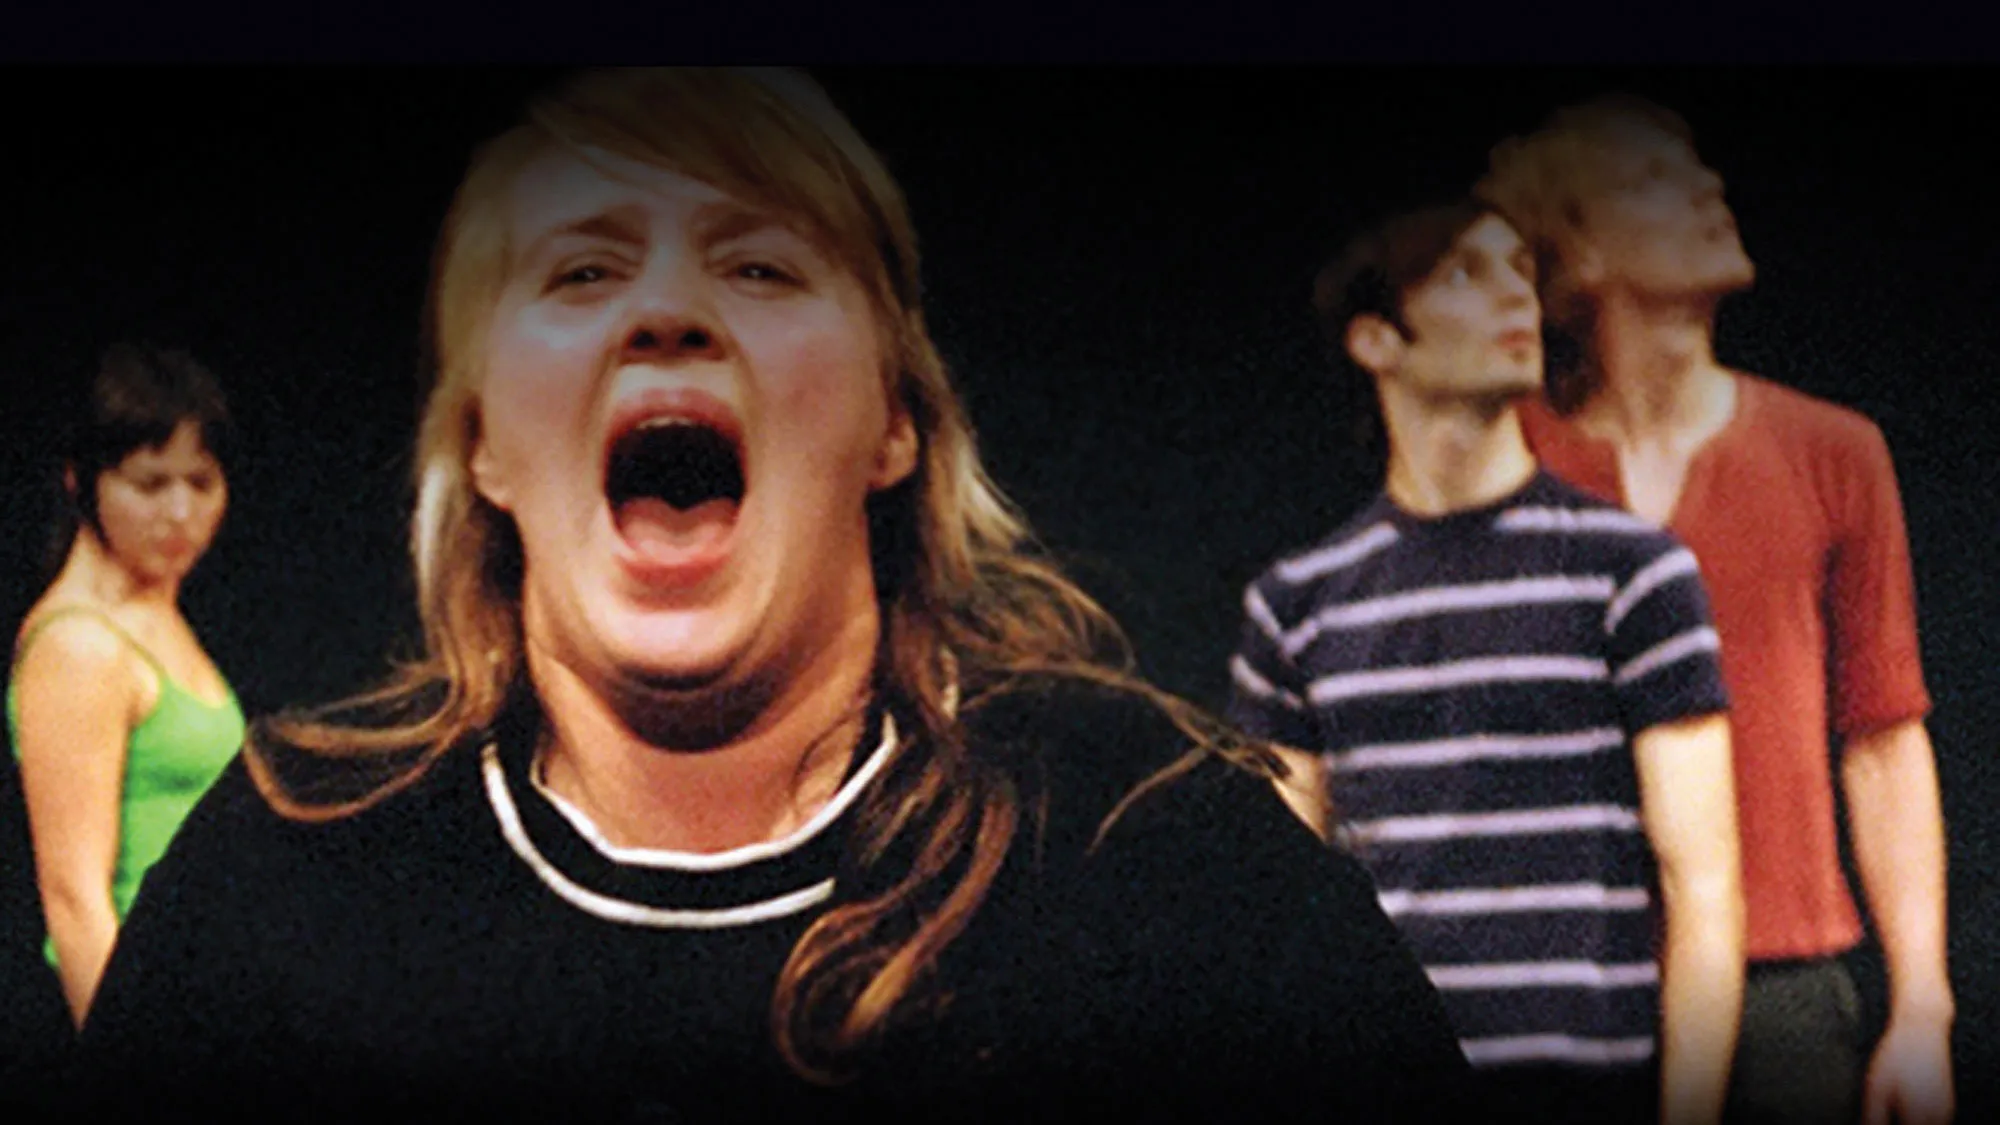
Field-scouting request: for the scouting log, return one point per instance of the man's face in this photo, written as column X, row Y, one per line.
column 1474, row 322
column 1654, row 223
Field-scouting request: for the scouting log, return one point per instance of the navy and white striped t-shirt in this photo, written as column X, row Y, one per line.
column 1474, row 683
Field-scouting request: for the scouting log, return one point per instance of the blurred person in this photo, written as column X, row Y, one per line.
column 1791, row 505
column 119, row 718
column 1512, row 691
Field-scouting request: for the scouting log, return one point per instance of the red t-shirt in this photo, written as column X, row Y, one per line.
column 1793, row 513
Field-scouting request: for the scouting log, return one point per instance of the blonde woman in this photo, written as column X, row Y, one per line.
column 756, row 769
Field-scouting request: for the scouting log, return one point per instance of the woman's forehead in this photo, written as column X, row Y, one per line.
column 589, row 190
column 183, row 449
column 559, row 187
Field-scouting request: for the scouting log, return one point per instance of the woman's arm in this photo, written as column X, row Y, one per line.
column 75, row 696
column 190, row 1019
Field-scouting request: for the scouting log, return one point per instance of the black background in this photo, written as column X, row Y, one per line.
column 1118, row 263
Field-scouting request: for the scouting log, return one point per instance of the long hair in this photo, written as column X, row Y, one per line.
column 1539, row 181
column 970, row 608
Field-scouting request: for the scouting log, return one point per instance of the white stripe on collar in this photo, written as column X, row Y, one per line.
column 619, row 910
column 670, row 859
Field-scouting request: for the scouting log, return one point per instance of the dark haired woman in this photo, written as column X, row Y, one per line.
column 119, row 718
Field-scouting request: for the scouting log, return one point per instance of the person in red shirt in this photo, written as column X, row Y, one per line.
column 1791, row 505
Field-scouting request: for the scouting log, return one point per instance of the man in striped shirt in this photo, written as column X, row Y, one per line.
column 1514, row 694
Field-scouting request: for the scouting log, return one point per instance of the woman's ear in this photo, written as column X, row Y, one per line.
column 487, row 479
column 896, row 457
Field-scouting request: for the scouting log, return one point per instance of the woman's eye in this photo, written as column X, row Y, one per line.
column 763, row 271
column 582, row 275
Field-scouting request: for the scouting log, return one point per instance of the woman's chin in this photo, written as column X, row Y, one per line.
column 689, row 706
column 676, row 652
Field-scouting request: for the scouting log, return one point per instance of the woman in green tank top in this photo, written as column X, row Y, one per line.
column 119, row 718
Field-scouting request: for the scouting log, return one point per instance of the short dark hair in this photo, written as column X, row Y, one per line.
column 138, row 397
column 1372, row 276
column 1382, row 263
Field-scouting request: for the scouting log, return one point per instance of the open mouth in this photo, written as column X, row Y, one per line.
column 675, row 485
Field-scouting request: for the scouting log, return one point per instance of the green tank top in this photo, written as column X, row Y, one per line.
column 174, row 754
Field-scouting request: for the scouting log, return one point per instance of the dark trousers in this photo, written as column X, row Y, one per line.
column 1554, row 1095
column 1802, row 1054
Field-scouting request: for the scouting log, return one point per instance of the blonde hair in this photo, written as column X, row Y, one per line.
column 969, row 609
column 1539, row 182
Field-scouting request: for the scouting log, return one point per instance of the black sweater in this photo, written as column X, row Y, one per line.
column 411, row 961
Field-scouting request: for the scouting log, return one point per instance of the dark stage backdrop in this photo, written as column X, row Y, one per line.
column 1118, row 263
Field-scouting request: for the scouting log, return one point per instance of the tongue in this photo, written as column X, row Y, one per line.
column 666, row 534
